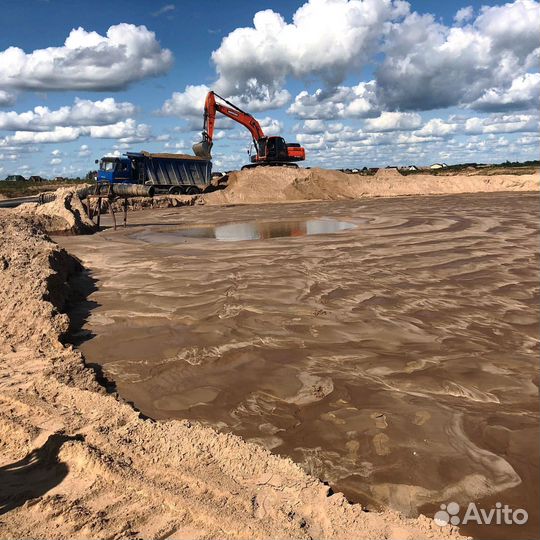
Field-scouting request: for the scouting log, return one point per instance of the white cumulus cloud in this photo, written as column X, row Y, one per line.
column 82, row 112
column 271, row 126
column 428, row 65
column 342, row 102
column 125, row 131
column 84, row 150
column 393, row 121
column 326, row 38
column 464, row 14
column 189, row 103
column 87, row 61
column 523, row 93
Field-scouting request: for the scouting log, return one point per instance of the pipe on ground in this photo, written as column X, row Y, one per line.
column 132, row 190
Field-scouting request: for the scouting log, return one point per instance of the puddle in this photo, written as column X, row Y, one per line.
column 256, row 230
column 234, row 232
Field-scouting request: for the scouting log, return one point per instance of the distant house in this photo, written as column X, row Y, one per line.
column 36, row 178
column 411, row 168
column 15, row 178
column 438, row 166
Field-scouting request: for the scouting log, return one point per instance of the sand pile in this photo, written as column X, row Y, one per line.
column 388, row 174
column 281, row 184
column 77, row 463
column 65, row 213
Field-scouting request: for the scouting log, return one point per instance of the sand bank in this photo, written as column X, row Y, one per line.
column 281, row 184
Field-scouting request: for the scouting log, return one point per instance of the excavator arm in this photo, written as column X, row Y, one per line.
column 203, row 149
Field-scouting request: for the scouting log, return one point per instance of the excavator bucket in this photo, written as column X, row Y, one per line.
column 202, row 149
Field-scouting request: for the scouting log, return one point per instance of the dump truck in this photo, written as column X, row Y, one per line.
column 168, row 173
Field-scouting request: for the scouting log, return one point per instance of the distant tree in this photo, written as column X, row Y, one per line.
column 91, row 175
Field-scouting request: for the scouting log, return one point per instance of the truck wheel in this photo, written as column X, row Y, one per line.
column 176, row 190
column 192, row 190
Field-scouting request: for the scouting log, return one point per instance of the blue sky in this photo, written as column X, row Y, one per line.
column 358, row 82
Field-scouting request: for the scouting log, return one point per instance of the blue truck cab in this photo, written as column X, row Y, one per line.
column 168, row 173
column 115, row 170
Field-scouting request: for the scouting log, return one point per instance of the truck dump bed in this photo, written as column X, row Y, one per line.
column 172, row 169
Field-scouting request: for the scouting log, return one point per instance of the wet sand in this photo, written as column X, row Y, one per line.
column 396, row 360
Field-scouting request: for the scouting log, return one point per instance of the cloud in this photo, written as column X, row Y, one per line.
column 271, row 126
column 464, row 14
column 55, row 161
column 393, row 121
column 127, row 131
column 311, row 127
column 437, row 127
column 261, row 98
column 483, row 62
column 428, row 65
column 87, row 61
column 503, row 123
column 480, row 125
column 57, row 135
column 167, row 8
column 82, row 112
column 189, row 103
column 327, row 39
column 341, row 102
column 6, row 98
column 84, row 150
column 523, row 93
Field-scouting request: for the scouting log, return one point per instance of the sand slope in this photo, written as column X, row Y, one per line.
column 76, row 463
column 279, row 184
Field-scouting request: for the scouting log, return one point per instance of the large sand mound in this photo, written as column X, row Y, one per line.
column 280, row 184
column 77, row 463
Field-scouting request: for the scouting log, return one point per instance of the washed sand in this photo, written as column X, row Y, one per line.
column 76, row 462
column 284, row 184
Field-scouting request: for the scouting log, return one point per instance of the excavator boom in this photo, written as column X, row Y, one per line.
column 203, row 149
column 270, row 150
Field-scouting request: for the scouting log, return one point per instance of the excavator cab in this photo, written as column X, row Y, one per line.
column 270, row 149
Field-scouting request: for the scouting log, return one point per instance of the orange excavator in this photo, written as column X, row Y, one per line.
column 268, row 150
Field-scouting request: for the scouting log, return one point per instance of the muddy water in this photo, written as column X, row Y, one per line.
column 397, row 360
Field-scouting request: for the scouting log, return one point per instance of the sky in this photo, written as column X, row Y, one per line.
column 356, row 82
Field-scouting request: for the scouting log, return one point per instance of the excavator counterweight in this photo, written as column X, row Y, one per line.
column 269, row 150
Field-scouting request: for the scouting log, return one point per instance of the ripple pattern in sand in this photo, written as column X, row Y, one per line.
column 397, row 360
